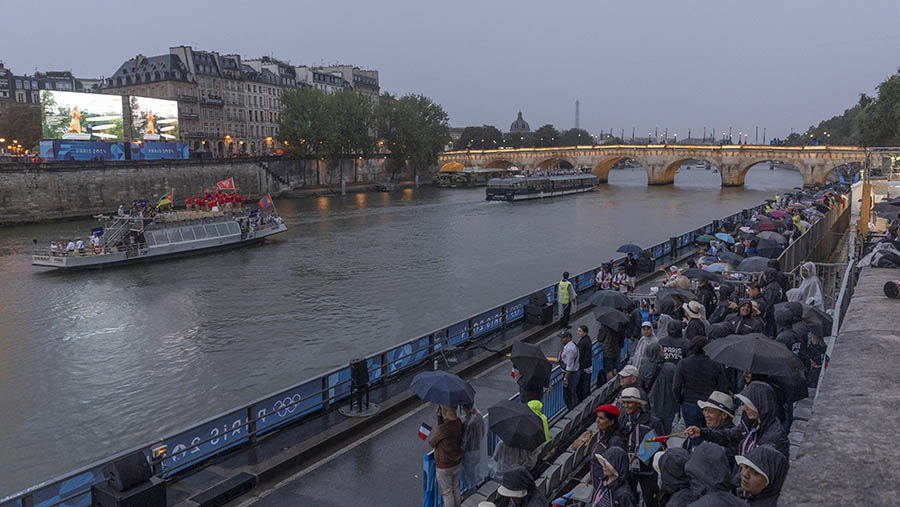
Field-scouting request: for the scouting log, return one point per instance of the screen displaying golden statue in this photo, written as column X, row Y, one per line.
column 74, row 121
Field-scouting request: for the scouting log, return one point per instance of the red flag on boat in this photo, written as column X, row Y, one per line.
column 226, row 184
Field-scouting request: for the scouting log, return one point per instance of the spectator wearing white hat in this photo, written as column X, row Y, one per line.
column 636, row 423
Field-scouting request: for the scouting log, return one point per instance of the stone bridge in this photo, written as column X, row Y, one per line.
column 662, row 161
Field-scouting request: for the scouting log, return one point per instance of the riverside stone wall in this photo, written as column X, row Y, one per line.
column 39, row 192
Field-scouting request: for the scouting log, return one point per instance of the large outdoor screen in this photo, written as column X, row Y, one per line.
column 81, row 116
column 153, row 119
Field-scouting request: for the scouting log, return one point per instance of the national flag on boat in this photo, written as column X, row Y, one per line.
column 166, row 199
column 226, row 184
column 265, row 202
column 424, row 431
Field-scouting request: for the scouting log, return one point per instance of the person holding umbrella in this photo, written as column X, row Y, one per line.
column 566, row 293
column 532, row 371
column 520, row 432
column 474, row 462
column 446, row 441
column 630, row 269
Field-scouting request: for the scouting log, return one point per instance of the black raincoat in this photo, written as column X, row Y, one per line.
column 737, row 324
column 617, row 493
column 726, row 295
column 775, row 466
column 606, row 440
column 710, row 477
column 675, row 485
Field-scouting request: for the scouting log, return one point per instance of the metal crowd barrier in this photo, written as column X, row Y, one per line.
column 194, row 445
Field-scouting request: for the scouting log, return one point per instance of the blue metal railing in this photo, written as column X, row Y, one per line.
column 209, row 438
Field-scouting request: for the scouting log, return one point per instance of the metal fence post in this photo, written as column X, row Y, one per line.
column 251, row 424
column 325, row 395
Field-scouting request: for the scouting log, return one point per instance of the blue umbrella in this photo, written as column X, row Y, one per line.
column 442, row 388
column 629, row 248
column 725, row 237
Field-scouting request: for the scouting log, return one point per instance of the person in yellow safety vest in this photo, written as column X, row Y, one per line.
column 777, row 200
column 565, row 292
column 537, row 407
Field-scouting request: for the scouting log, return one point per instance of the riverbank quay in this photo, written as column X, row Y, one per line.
column 846, row 451
column 40, row 192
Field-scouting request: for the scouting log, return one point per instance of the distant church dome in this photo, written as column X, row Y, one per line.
column 519, row 126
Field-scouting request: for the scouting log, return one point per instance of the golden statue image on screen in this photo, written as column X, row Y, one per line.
column 74, row 121
column 151, row 123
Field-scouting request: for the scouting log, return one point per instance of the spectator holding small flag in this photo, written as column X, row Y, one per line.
column 446, row 441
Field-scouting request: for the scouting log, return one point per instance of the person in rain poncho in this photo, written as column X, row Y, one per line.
column 656, row 380
column 674, row 484
column 726, row 304
column 614, row 492
column 538, row 408
column 677, row 280
column 759, row 426
column 474, row 465
column 746, row 320
column 798, row 223
column 810, row 290
column 763, row 471
column 518, row 485
column 695, row 378
column 647, row 338
column 710, row 477
column 636, row 424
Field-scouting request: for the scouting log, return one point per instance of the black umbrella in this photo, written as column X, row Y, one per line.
column 610, row 317
column 823, row 208
column 442, row 388
column 768, row 248
column 755, row 264
column 756, row 353
column 629, row 248
column 532, row 364
column 730, row 257
column 683, row 295
column 701, row 274
column 611, row 298
column 794, row 386
column 818, row 321
column 885, row 207
column 516, row 424
column 772, row 236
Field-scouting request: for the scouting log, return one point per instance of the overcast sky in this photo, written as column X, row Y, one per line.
column 778, row 64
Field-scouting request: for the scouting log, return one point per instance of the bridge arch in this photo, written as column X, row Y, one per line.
column 739, row 177
column 451, row 166
column 668, row 175
column 550, row 163
column 498, row 164
column 601, row 169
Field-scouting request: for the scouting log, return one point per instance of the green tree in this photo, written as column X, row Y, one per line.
column 20, row 122
column 879, row 121
column 349, row 127
column 414, row 128
column 518, row 140
column 575, row 137
column 304, row 121
column 479, row 138
column 546, row 136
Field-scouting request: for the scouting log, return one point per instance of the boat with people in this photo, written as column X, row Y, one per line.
column 520, row 188
column 146, row 235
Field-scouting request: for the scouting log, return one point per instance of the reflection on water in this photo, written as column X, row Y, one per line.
column 95, row 362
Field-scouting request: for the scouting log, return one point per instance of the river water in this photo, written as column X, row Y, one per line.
column 92, row 363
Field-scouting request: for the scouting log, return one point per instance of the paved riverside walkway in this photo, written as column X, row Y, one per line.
column 849, row 451
column 386, row 470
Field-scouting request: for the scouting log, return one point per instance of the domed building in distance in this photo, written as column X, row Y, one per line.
column 520, row 126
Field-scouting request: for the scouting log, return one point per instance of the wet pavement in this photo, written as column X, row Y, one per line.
column 386, row 468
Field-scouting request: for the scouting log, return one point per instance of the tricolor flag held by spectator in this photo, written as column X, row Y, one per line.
column 424, row 431
column 226, row 184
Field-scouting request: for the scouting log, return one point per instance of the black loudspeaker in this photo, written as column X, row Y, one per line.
column 538, row 299
column 127, row 472
column 359, row 373
column 538, row 314
column 149, row 494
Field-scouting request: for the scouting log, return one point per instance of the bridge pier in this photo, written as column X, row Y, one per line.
column 732, row 175
column 658, row 174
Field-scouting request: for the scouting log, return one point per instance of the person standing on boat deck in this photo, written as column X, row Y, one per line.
column 53, row 249
column 630, row 271
column 80, row 246
column 70, row 247
column 566, row 294
column 121, row 210
column 95, row 242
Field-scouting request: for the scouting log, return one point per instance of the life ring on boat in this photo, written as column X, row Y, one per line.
column 60, row 247
column 97, row 249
